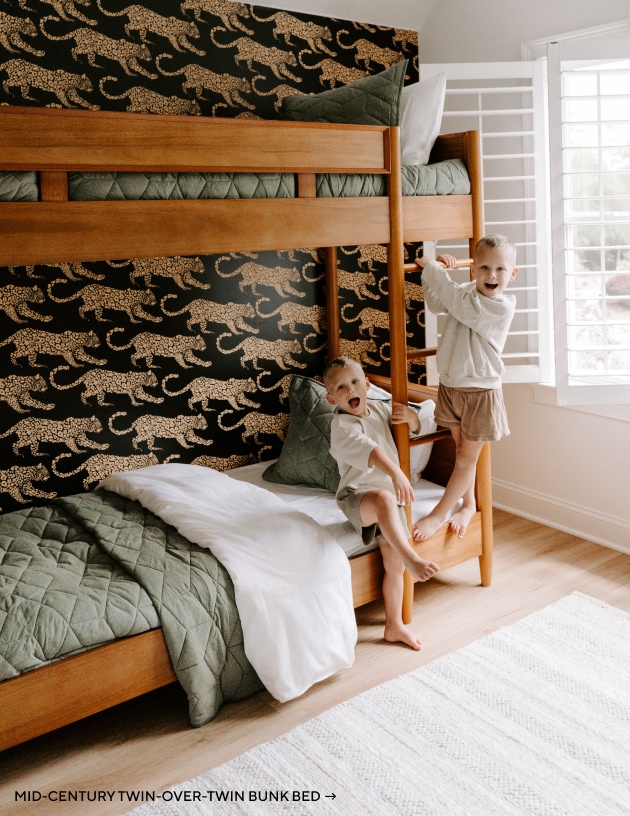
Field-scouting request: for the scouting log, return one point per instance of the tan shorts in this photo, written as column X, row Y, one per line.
column 351, row 506
column 480, row 412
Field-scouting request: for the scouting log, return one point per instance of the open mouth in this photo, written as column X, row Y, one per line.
column 354, row 402
column 491, row 286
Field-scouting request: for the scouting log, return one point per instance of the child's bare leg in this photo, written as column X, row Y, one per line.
column 380, row 507
column 459, row 521
column 462, row 478
column 395, row 630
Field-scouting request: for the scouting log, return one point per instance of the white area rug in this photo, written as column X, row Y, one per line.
column 533, row 719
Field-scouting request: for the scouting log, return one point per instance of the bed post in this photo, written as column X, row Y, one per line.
column 332, row 301
column 483, row 480
column 398, row 328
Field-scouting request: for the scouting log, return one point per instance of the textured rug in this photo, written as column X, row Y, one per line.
column 533, row 719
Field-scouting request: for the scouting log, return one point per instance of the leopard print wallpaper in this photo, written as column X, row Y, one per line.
column 116, row 365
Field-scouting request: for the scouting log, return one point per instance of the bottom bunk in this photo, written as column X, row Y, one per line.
column 95, row 677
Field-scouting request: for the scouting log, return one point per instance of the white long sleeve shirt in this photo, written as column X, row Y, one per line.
column 469, row 353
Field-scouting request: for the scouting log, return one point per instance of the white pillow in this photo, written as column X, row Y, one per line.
column 421, row 106
column 418, row 454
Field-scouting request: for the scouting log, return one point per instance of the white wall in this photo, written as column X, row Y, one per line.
column 564, row 467
column 493, row 30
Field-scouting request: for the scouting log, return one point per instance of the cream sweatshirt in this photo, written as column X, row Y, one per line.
column 470, row 348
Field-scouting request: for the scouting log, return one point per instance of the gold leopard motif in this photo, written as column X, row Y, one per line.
column 280, row 91
column 11, row 31
column 101, row 465
column 71, row 432
column 199, row 78
column 293, row 313
column 228, row 12
column 97, row 383
column 145, row 21
column 147, row 346
column 180, row 270
column 287, row 26
column 254, row 349
column 370, row 319
column 254, row 275
column 181, row 428
column 96, row 297
column 202, row 389
column 249, row 51
column 69, row 345
column 415, row 294
column 65, row 86
column 67, row 10
column 357, row 282
column 15, row 390
column 14, row 302
column 405, row 38
column 369, row 254
column 17, row 481
column 360, row 350
column 368, row 52
column 284, row 384
column 333, row 72
column 223, row 463
column 254, row 424
column 92, row 43
column 144, row 100
column 202, row 312
column 72, row 271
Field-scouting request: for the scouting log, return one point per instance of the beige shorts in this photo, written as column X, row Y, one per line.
column 351, row 506
column 480, row 412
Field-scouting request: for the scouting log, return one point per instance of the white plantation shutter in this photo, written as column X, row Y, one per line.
column 506, row 103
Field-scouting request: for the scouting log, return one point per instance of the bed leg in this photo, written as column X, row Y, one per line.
column 484, row 502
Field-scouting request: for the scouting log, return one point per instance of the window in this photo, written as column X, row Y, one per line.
column 589, row 137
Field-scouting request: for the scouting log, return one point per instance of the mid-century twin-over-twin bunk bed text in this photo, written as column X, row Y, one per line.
column 55, row 229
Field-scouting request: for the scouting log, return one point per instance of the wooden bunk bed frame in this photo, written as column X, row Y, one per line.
column 53, row 229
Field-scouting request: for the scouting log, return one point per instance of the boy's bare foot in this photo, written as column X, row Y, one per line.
column 459, row 521
column 399, row 633
column 425, row 527
column 421, row 569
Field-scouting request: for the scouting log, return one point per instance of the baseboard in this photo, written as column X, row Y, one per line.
column 562, row 515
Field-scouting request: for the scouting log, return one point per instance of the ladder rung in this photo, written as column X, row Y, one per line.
column 412, row 267
column 418, row 353
column 430, row 437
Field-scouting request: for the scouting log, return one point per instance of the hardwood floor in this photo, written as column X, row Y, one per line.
column 147, row 744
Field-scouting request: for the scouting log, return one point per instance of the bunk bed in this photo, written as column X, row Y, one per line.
column 54, row 142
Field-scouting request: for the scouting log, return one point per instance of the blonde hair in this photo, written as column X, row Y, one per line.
column 496, row 241
column 338, row 362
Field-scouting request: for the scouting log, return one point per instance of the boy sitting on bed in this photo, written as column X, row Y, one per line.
column 469, row 399
column 373, row 488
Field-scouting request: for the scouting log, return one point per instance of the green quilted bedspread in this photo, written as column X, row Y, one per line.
column 90, row 568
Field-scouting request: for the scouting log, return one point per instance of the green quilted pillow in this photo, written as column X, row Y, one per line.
column 372, row 100
column 305, row 457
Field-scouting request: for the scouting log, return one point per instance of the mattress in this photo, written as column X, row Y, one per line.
column 321, row 506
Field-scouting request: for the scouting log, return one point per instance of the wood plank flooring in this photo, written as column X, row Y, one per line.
column 147, row 744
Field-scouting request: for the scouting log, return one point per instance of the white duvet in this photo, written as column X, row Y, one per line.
column 291, row 579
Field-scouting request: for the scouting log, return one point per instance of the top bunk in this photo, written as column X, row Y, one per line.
column 63, row 147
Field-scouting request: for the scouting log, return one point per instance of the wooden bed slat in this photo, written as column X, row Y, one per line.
column 78, row 686
column 43, row 232
column 50, row 139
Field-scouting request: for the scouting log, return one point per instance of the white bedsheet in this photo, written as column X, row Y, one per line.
column 321, row 505
column 291, row 579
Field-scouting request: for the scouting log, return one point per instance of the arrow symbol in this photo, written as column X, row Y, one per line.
column 329, row 796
